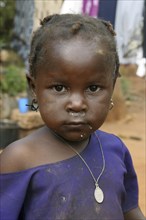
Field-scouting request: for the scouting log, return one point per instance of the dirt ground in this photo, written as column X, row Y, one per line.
column 132, row 130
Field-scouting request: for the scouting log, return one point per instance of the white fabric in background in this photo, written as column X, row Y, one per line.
column 128, row 26
column 71, row 6
column 141, row 70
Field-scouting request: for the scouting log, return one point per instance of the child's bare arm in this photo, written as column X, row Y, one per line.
column 134, row 214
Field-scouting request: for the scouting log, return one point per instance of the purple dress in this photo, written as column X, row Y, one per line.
column 65, row 190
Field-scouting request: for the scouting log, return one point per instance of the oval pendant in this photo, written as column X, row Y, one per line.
column 98, row 194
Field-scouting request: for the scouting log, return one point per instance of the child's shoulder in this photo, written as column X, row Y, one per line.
column 112, row 141
column 106, row 137
column 17, row 156
column 13, row 156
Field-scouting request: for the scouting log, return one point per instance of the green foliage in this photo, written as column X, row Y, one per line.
column 13, row 81
column 7, row 13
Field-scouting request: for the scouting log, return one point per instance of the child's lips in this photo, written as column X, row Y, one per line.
column 76, row 124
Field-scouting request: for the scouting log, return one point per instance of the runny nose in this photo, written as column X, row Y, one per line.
column 76, row 103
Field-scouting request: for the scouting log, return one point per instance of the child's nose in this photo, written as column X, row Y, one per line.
column 76, row 103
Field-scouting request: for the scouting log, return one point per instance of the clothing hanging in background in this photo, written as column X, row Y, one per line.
column 23, row 25
column 107, row 10
column 71, row 6
column 144, row 31
column 128, row 26
column 90, row 7
column 141, row 70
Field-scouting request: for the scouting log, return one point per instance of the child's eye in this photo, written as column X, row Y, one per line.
column 59, row 88
column 94, row 88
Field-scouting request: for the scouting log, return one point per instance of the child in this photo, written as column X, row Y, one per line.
column 69, row 169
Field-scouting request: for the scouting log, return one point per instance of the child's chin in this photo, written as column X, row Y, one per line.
column 76, row 137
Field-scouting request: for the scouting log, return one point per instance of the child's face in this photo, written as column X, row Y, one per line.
column 74, row 87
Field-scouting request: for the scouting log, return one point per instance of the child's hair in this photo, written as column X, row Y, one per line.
column 67, row 26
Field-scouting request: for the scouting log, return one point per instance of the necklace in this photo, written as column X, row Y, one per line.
column 98, row 193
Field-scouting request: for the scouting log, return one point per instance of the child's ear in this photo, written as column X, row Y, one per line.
column 31, row 82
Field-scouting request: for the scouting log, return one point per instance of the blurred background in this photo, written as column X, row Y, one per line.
column 18, row 20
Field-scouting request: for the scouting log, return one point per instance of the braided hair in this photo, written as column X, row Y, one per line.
column 67, row 26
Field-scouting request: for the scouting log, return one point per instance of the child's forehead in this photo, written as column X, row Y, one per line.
column 77, row 56
column 78, row 48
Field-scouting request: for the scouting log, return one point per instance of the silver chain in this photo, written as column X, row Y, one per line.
column 103, row 159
